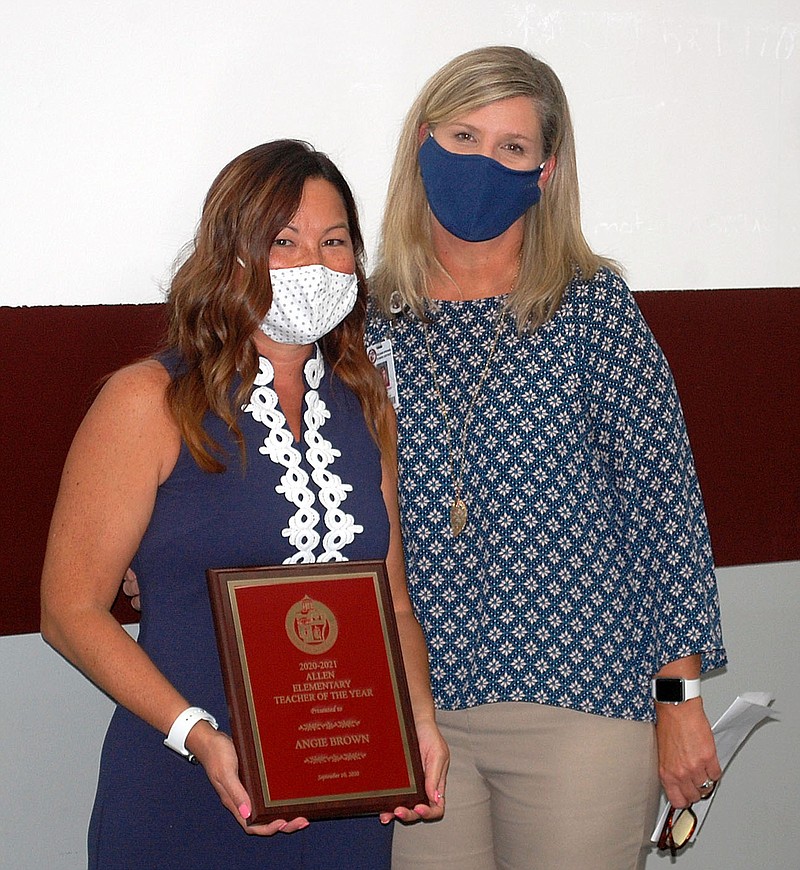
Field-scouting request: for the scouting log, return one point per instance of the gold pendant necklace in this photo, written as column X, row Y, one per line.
column 458, row 510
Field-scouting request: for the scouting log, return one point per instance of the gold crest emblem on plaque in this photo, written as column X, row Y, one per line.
column 311, row 626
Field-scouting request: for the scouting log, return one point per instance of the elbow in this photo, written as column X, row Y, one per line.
column 48, row 624
column 51, row 622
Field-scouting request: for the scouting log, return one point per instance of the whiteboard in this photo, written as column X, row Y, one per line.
column 116, row 117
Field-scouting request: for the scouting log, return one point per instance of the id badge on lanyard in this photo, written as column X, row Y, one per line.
column 381, row 356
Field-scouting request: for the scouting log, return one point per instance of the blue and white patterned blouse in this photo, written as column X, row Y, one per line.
column 585, row 564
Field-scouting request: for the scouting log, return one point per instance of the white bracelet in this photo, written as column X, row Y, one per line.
column 176, row 739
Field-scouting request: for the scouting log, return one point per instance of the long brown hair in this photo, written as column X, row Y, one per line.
column 215, row 306
column 553, row 246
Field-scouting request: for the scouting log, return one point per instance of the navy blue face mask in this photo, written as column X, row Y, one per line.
column 474, row 197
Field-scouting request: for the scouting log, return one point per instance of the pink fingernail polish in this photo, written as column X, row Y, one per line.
column 244, row 811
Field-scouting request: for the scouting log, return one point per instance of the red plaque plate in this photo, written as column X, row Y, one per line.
column 319, row 704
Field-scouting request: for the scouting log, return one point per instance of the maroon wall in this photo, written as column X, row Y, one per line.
column 53, row 359
column 734, row 354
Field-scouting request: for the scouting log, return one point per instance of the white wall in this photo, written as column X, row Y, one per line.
column 114, row 118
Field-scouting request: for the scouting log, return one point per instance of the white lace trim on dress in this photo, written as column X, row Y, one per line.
column 294, row 483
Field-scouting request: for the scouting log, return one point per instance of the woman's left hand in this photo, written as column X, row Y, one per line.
column 687, row 754
column 435, row 761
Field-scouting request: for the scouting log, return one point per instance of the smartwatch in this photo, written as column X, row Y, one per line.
column 674, row 690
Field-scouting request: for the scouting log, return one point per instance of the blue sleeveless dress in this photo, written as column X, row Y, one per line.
column 153, row 809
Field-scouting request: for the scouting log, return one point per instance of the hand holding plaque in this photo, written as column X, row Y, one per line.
column 314, row 677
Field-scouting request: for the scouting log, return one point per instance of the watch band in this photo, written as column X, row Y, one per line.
column 176, row 739
column 674, row 690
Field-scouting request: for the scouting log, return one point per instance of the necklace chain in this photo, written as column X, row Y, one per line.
column 458, row 510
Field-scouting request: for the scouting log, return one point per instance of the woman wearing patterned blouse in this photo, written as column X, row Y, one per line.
column 556, row 545
column 261, row 436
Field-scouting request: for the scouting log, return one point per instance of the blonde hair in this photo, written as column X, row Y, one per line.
column 215, row 306
column 554, row 246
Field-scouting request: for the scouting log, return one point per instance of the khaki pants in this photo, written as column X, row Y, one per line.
column 533, row 787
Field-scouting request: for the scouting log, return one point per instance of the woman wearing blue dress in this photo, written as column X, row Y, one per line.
column 261, row 436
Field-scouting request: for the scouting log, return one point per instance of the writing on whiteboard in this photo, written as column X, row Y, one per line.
column 704, row 35
column 739, row 223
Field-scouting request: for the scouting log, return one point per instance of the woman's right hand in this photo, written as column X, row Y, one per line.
column 216, row 752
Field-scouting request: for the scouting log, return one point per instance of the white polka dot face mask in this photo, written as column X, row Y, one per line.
column 307, row 303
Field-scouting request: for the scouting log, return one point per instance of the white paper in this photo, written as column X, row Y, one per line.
column 730, row 731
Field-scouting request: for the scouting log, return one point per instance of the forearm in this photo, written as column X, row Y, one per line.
column 415, row 659
column 686, row 750
column 433, row 749
column 688, row 715
column 92, row 640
